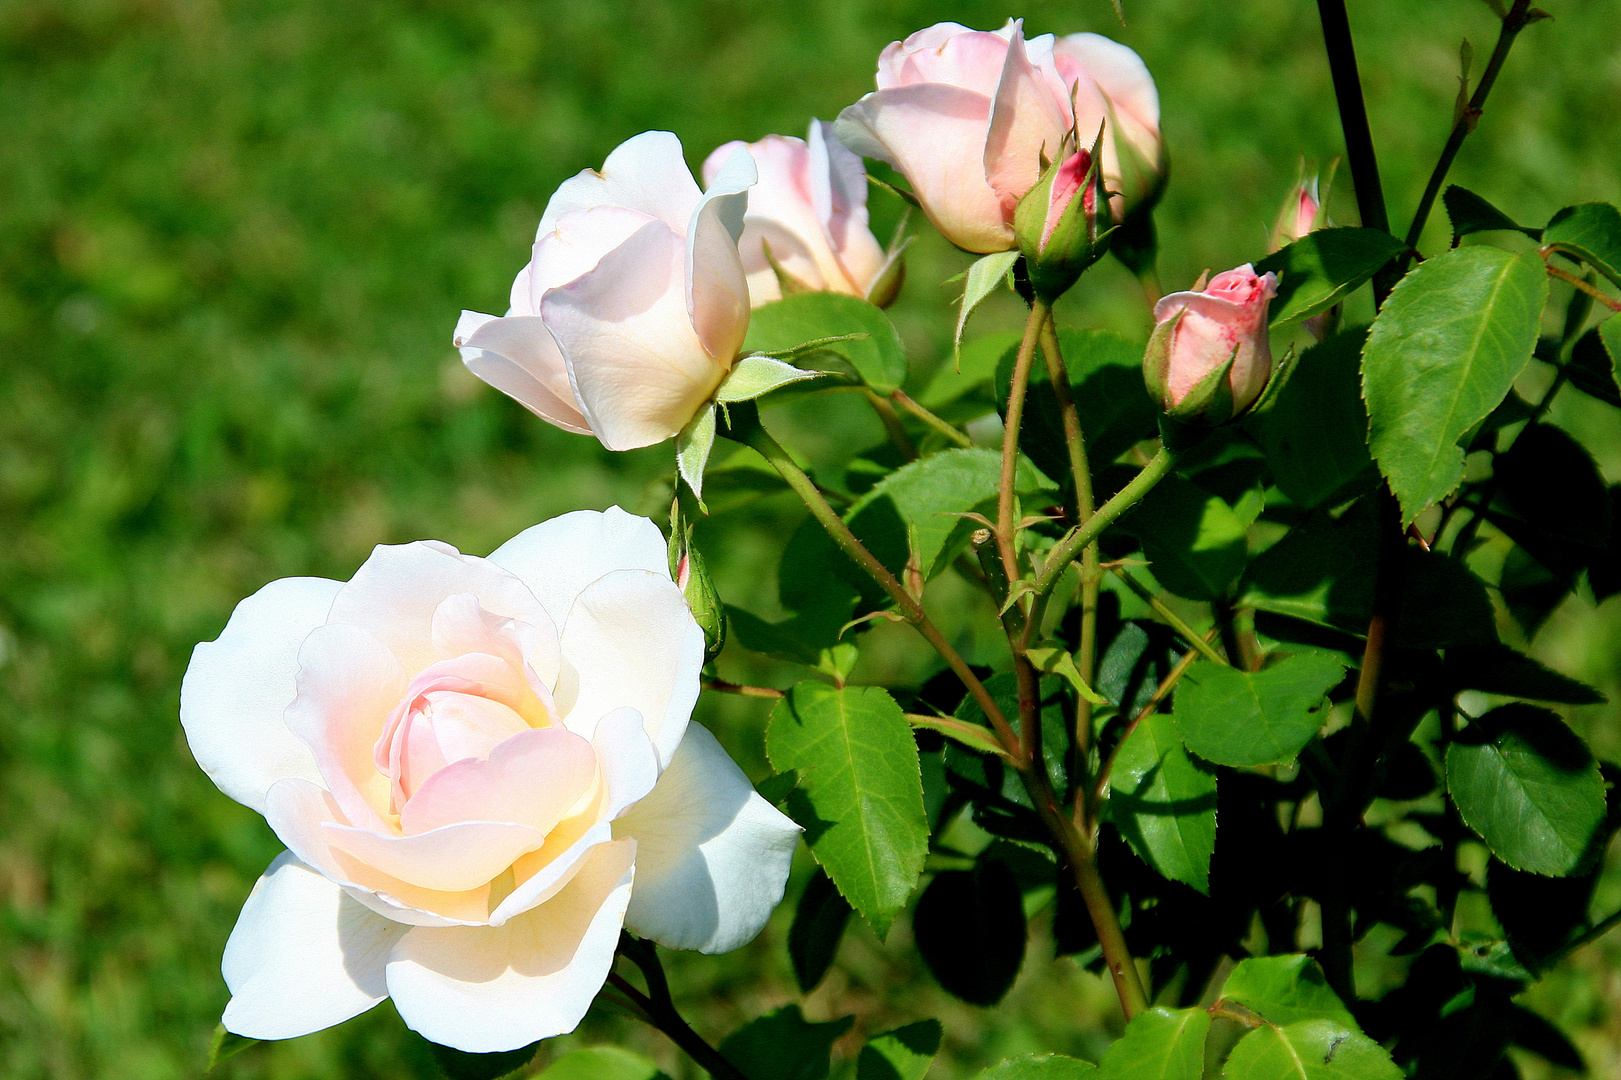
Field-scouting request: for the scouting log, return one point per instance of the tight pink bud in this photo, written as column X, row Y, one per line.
column 1209, row 358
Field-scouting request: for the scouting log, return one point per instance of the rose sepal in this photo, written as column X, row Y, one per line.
column 1058, row 251
column 691, row 576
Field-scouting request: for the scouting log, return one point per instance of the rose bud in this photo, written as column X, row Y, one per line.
column 482, row 769
column 691, row 576
column 968, row 117
column 1304, row 212
column 1209, row 357
column 635, row 302
column 1057, row 224
column 806, row 229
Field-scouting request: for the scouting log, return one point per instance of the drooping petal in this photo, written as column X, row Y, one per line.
column 712, row 856
column 304, row 955
column 398, row 588
column 558, row 558
column 637, row 366
column 348, row 683
column 631, row 641
column 935, row 136
column 717, row 288
column 484, row 989
column 238, row 686
column 518, row 357
column 645, row 172
column 1027, row 123
column 531, row 779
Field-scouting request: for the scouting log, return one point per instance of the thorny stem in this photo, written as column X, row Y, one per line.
column 1200, row 642
column 1006, row 538
column 744, row 426
column 1590, row 290
column 908, row 404
column 1075, row 541
column 1518, row 17
column 892, row 424
column 661, row 1011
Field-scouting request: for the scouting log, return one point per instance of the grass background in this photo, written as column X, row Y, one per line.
column 234, row 239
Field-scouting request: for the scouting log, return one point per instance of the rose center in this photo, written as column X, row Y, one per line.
column 434, row 728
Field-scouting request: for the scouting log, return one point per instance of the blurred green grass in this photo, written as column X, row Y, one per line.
column 234, row 238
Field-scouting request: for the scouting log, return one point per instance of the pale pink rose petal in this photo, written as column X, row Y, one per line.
column 1205, row 338
column 518, row 357
column 348, row 684
column 451, row 858
column 638, row 369
column 781, row 215
column 971, row 59
column 712, row 856
column 717, row 289
column 630, row 641
column 838, row 185
column 532, row 778
column 461, row 625
column 578, row 241
column 1027, row 124
column 893, row 58
column 935, row 136
column 484, row 989
column 558, row 558
column 646, row 172
column 303, row 956
column 396, row 591
column 238, row 686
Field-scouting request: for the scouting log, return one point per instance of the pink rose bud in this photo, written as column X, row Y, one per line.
column 806, row 225
column 1209, row 358
column 968, row 117
column 1057, row 224
column 1303, row 212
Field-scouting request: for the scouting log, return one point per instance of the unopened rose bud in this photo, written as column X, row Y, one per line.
column 1209, row 358
column 1057, row 223
column 692, row 578
column 1303, row 212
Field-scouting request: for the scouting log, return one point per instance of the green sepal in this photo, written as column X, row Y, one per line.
column 982, row 279
column 692, row 447
column 691, row 575
column 1076, row 242
column 758, row 375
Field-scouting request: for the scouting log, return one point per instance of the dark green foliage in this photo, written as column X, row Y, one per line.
column 460, row 1065
column 818, row 926
column 969, row 928
column 784, row 1046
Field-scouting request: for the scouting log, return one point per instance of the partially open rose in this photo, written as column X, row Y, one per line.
column 482, row 769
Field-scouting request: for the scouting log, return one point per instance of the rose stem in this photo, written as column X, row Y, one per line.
column 1005, row 537
column 892, row 424
column 662, row 1011
column 1199, row 642
column 1076, row 540
column 905, row 401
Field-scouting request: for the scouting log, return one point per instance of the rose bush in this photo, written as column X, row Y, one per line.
column 1221, row 328
column 634, row 304
column 808, row 214
column 482, row 769
column 966, row 116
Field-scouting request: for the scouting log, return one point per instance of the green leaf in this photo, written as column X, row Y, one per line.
column 1314, row 427
column 926, row 500
column 1244, row 718
column 1529, row 786
column 1164, row 804
column 1442, row 354
column 1040, row 1067
column 1194, row 540
column 1553, row 483
column 903, row 1054
column 976, row 737
column 1309, row 1050
column 1609, row 332
column 602, row 1063
column 692, row 447
column 1285, row 989
column 1498, row 669
column 1539, row 915
column 1106, row 385
column 983, row 278
column 1323, row 267
column 753, row 376
column 225, row 1045
column 1159, row 1044
column 1469, row 214
column 1590, row 232
column 783, row 1046
column 460, row 1065
column 1592, row 368
column 860, row 797
column 818, row 926
column 980, row 966
column 1323, row 572
column 869, row 341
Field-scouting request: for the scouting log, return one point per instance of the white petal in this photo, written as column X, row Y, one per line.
column 558, row 558
column 717, row 289
column 579, row 240
column 1027, row 122
column 483, row 989
column 711, row 855
column 646, row 172
column 303, row 956
column 396, row 591
column 630, row 640
column 638, row 369
column 518, row 357
column 237, row 687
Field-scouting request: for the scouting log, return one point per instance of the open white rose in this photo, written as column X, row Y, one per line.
column 634, row 304
column 482, row 769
